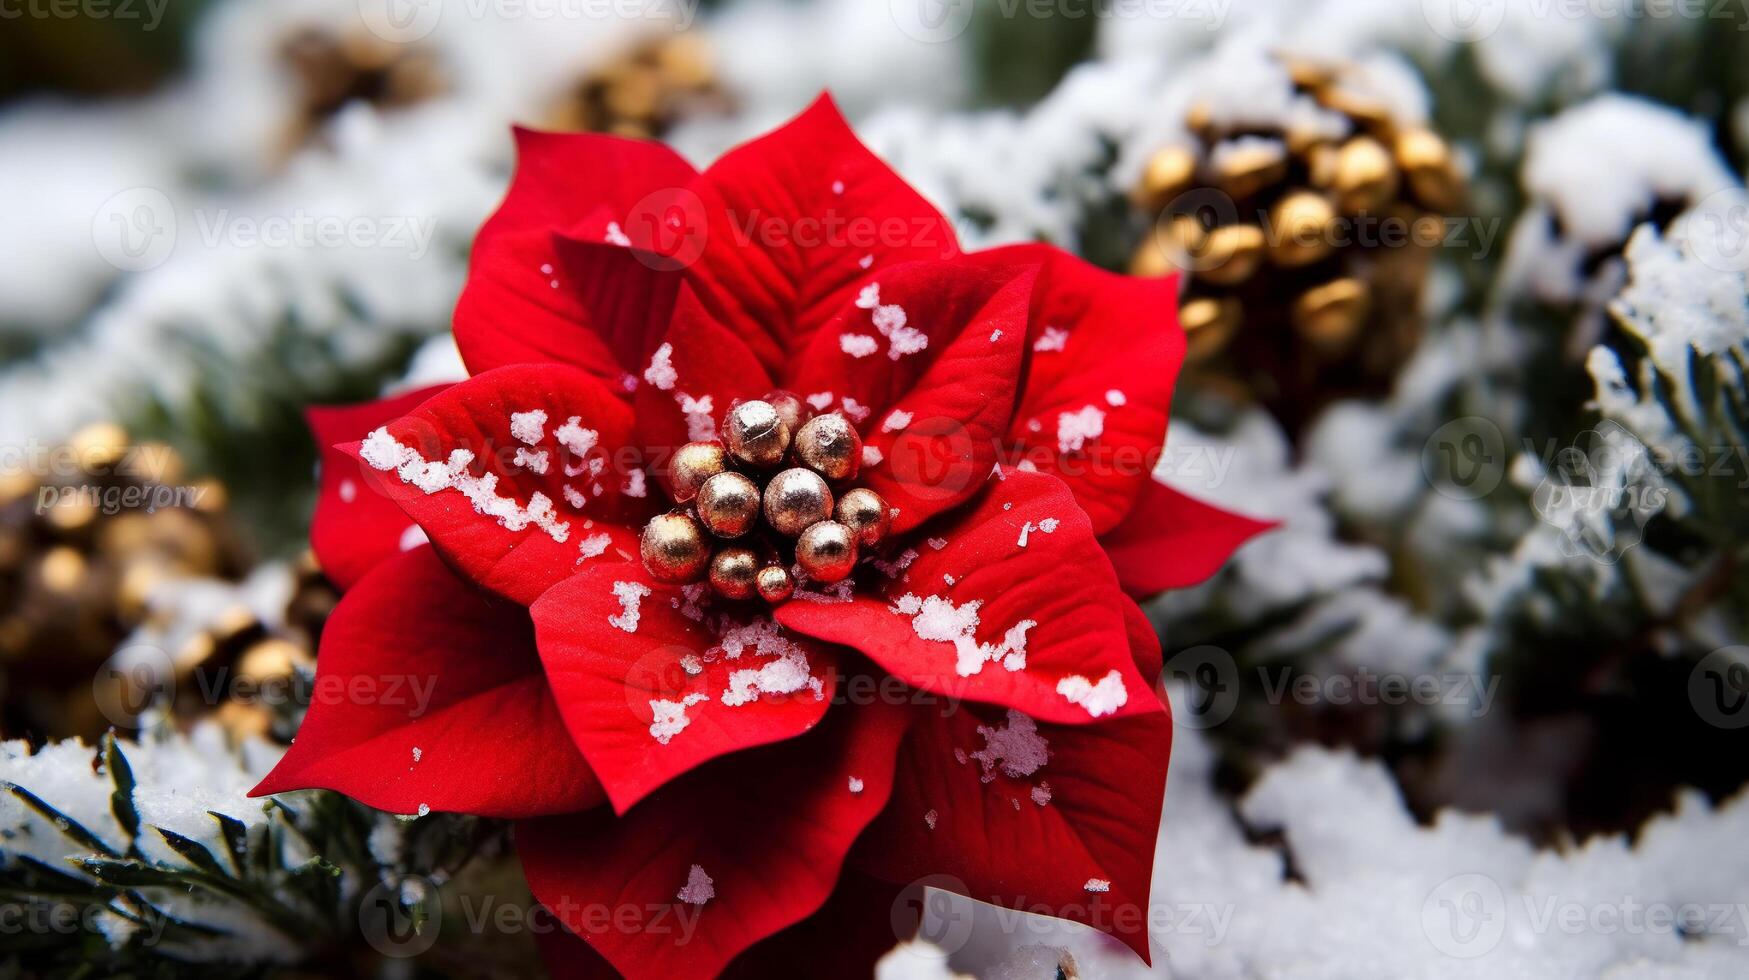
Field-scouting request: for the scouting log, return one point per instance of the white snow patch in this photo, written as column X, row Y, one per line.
column 1015, row 748
column 1075, row 428
column 661, row 371
column 1099, row 699
column 630, row 594
column 668, row 718
column 699, row 888
column 383, row 451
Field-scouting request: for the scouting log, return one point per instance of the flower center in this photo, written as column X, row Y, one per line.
column 759, row 507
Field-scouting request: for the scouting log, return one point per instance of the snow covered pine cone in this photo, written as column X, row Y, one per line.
column 671, row 749
column 1296, row 294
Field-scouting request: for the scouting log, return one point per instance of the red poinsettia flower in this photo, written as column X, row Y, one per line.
column 692, row 775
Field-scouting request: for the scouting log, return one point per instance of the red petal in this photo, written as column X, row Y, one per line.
column 859, row 924
column 700, row 366
column 955, row 396
column 568, row 185
column 770, row 827
column 610, row 682
column 541, row 535
column 1121, row 349
column 796, row 220
column 1170, row 540
column 429, row 693
column 355, row 528
column 1099, row 824
column 1059, row 581
column 1144, row 644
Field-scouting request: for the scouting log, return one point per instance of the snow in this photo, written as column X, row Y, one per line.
column 1097, row 885
column 939, row 618
column 615, row 235
column 529, row 427
column 629, row 594
column 634, row 485
column 855, row 785
column 858, row 344
column 1053, row 340
column 1041, row 794
column 1075, row 429
column 383, row 452
column 661, row 371
column 668, row 718
column 1014, row 747
column 575, row 438
column 930, row 818
column 594, row 546
column 788, row 672
column 533, row 461
column 698, row 889
column 1101, row 698
column 700, row 425
column 413, row 537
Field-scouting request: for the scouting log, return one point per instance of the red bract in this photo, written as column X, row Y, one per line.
column 694, row 778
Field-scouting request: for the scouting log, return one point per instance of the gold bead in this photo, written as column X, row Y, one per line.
column 1300, row 229
column 795, row 499
column 1242, row 169
column 1209, row 323
column 1433, row 175
column 1168, row 174
column 827, row 551
column 755, row 434
column 728, row 505
column 790, row 408
column 1363, row 175
column 62, row 570
column 693, row 464
column 271, row 660
column 674, row 549
column 1329, row 316
column 733, row 572
column 1230, row 255
column 98, row 446
column 829, row 445
column 1173, row 245
column 865, row 513
column 775, row 583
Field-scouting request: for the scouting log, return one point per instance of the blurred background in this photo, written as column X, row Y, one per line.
column 1465, row 296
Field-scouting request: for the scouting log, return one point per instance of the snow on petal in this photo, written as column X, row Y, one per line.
column 1097, row 885
column 616, row 235
column 661, row 371
column 382, row 451
column 1054, row 339
column 668, row 718
column 699, row 888
column 1099, row 699
column 1015, row 748
column 896, row 419
column 629, row 594
column 578, row 440
column 938, row 618
column 858, row 344
column 1074, row 429
column 533, row 460
column 529, row 427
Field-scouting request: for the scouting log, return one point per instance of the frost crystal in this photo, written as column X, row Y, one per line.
column 1097, row 885
column 700, row 427
column 858, row 344
column 616, row 235
column 699, row 887
column 594, row 545
column 413, row 537
column 1041, row 794
column 937, row 618
column 1075, row 428
column 1054, row 339
column 930, row 818
column 348, row 491
column 575, row 497
column 661, row 371
column 1099, row 699
column 855, row 785
column 630, row 594
column 576, row 439
column 668, row 718
column 383, row 452
column 1016, row 748
column 788, row 673
column 534, row 461
column 634, row 485
column 1116, row 398
column 529, row 427
column 896, row 420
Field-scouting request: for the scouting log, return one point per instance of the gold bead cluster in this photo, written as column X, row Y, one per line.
column 760, row 501
column 1275, row 264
